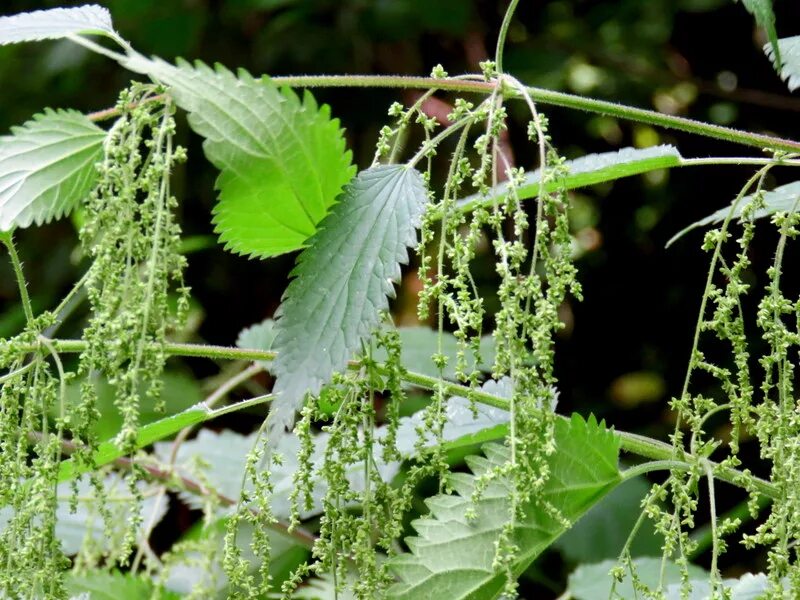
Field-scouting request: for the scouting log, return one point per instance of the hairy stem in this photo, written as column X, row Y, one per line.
column 22, row 284
column 629, row 442
column 501, row 37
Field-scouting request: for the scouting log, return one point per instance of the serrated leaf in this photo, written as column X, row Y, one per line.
column 781, row 199
column 589, row 582
column 790, row 60
column 260, row 336
column 765, row 17
column 587, row 170
column 342, row 282
column 101, row 585
column 452, row 557
column 73, row 529
column 46, row 166
column 56, row 23
column 282, row 159
column 225, row 453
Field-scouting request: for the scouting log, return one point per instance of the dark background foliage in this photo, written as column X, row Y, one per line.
column 624, row 350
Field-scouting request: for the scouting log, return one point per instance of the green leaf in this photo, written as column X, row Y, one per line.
column 452, row 557
column 46, row 166
column 589, row 582
column 781, row 199
column 602, row 532
column 56, row 23
column 108, row 452
column 342, row 281
column 587, row 170
column 747, row 587
column 790, row 55
column 462, row 427
column 765, row 17
column 419, row 344
column 282, row 160
column 74, row 529
column 260, row 336
column 101, row 585
column 180, row 392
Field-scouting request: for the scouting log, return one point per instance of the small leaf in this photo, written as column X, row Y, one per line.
column 462, row 427
column 589, row 582
column 56, row 23
column 260, row 336
column 587, row 170
column 781, row 199
column 790, row 55
column 282, row 160
column 46, row 166
column 452, row 557
column 342, row 281
column 765, row 17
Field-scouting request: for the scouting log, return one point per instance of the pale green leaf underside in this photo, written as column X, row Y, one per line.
column 452, row 557
column 587, row 170
column 282, row 159
column 46, row 166
column 102, row 585
column 592, row 581
column 781, row 199
column 790, row 57
column 765, row 17
column 56, row 23
column 589, row 582
column 260, row 336
column 342, row 281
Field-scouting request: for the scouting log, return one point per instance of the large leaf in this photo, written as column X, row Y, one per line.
column 589, row 582
column 587, row 170
column 260, row 336
column 342, row 281
column 452, row 556
column 781, row 199
column 100, row 585
column 73, row 529
column 282, row 160
column 790, row 56
column 592, row 581
column 56, row 23
column 46, row 166
column 602, row 532
column 765, row 17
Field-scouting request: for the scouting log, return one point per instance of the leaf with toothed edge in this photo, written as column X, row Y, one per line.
column 342, row 282
column 56, row 23
column 452, row 557
column 282, row 159
column 790, row 58
column 46, row 166
column 765, row 17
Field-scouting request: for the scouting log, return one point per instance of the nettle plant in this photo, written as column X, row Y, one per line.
column 314, row 504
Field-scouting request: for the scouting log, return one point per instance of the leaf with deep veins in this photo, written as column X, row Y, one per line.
column 56, row 23
column 282, row 160
column 451, row 557
column 46, row 167
column 342, row 281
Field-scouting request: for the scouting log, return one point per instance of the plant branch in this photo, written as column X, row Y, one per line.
column 629, row 442
column 544, row 96
column 8, row 241
column 501, row 37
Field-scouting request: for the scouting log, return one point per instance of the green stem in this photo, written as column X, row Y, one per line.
column 629, row 442
column 554, row 98
column 655, row 465
column 501, row 38
column 22, row 284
